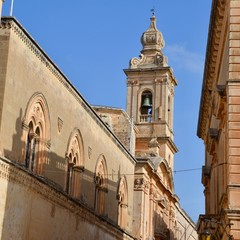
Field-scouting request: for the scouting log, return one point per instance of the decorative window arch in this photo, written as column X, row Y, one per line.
column 146, row 106
column 36, row 134
column 101, row 185
column 74, row 163
column 165, row 174
column 122, row 197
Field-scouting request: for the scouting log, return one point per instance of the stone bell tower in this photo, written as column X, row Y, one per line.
column 150, row 97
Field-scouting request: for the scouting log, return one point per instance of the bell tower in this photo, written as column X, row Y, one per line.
column 150, row 97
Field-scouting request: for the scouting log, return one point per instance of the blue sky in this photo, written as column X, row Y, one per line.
column 92, row 41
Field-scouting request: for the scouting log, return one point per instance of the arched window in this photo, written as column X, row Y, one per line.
column 36, row 134
column 74, row 162
column 122, row 197
column 146, row 107
column 101, row 185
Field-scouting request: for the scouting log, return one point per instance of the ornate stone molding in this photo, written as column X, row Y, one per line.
column 141, row 184
column 132, row 82
column 157, row 60
column 213, row 45
column 152, row 39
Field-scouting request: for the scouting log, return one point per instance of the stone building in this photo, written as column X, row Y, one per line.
column 219, row 123
column 69, row 170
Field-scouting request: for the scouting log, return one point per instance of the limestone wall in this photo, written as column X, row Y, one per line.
column 31, row 209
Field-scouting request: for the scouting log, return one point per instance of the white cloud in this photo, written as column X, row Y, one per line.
column 179, row 57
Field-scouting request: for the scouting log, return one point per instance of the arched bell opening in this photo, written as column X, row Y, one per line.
column 146, row 107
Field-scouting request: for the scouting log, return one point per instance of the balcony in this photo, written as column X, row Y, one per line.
column 145, row 118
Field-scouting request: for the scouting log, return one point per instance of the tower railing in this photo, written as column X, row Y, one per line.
column 146, row 118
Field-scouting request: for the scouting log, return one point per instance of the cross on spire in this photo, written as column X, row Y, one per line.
column 153, row 11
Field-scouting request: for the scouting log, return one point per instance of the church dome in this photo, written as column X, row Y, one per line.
column 152, row 39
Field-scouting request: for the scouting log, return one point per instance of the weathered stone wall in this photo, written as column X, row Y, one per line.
column 119, row 123
column 33, row 208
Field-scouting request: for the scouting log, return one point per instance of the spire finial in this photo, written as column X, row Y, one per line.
column 153, row 11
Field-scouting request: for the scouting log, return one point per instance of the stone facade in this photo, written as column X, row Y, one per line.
column 72, row 171
column 219, row 122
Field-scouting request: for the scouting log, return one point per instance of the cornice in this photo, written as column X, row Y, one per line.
column 13, row 25
column 145, row 71
column 170, row 142
column 212, row 51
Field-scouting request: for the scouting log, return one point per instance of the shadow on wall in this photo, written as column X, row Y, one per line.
column 53, row 165
column 35, row 204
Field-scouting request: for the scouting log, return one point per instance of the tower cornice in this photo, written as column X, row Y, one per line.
column 158, row 72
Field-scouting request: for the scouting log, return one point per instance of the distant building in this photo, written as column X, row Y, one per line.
column 69, row 170
column 219, row 123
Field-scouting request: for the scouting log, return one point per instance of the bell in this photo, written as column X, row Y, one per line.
column 146, row 102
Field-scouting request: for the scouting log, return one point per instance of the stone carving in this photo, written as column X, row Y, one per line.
column 152, row 38
column 100, row 178
column 157, row 60
column 136, row 61
column 74, row 149
column 132, row 81
column 122, row 192
column 141, row 183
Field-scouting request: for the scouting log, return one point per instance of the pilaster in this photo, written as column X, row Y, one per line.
column 233, row 105
column 234, row 143
column 234, row 40
column 4, row 48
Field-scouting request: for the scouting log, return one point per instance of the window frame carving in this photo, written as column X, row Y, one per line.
column 101, row 185
column 122, row 197
column 74, row 164
column 36, row 134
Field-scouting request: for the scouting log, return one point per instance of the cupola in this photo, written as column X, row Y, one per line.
column 152, row 39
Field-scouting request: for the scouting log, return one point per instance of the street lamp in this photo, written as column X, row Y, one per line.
column 213, row 228
column 206, row 235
